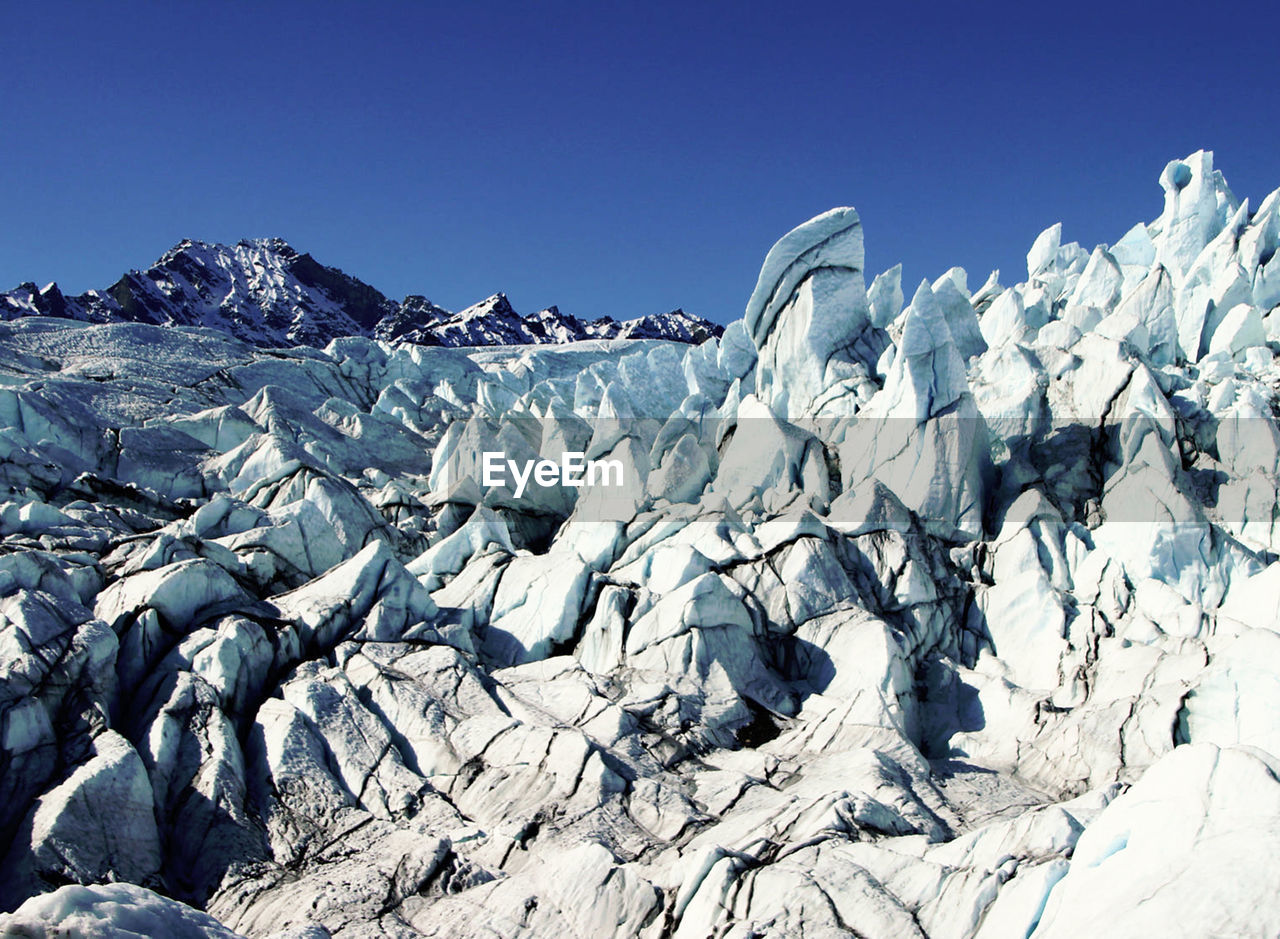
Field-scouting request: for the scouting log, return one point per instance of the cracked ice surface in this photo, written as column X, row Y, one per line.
column 957, row 618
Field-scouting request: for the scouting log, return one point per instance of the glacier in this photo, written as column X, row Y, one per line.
column 921, row 611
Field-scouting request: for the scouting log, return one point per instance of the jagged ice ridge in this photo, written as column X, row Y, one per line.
column 948, row 618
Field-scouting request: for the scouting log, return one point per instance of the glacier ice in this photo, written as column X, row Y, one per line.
column 953, row 614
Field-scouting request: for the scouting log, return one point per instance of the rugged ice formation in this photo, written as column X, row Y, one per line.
column 953, row 615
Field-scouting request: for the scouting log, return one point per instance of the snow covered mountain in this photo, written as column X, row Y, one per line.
column 266, row 293
column 948, row 616
column 493, row 322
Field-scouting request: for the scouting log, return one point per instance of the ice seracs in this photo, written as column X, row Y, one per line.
column 808, row 315
column 948, row 617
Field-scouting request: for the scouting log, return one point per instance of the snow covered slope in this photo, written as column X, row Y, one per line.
column 948, row 616
column 264, row 292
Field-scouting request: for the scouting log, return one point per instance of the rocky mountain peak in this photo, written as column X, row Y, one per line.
column 265, row 292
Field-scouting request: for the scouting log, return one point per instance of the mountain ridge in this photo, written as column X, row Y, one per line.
column 267, row 293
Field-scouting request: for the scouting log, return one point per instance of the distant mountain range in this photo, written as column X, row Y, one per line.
column 266, row 293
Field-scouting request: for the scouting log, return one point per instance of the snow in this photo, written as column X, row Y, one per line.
column 1151, row 862
column 264, row 292
column 948, row 618
column 110, row 911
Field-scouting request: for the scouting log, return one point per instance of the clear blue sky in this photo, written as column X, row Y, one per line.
column 611, row 158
